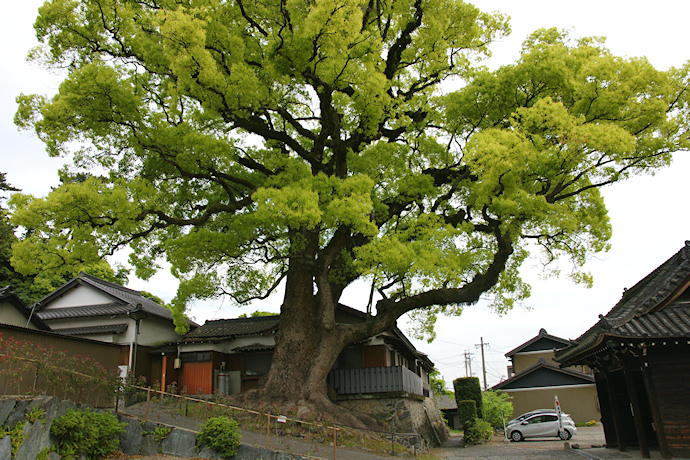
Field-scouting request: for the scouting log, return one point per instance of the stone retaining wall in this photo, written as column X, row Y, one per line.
column 407, row 414
column 138, row 438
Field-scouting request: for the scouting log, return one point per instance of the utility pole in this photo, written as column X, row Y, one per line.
column 468, row 363
column 481, row 344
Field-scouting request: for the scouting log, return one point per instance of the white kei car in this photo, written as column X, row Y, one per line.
column 541, row 425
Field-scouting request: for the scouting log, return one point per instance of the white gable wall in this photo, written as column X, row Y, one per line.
column 155, row 331
column 10, row 315
column 79, row 296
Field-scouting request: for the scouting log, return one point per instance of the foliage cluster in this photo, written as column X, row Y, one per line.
column 36, row 414
column 438, row 385
column 469, row 388
column 496, row 406
column 16, row 435
column 83, row 432
column 220, row 434
column 589, row 423
column 161, row 432
column 478, row 431
column 31, row 366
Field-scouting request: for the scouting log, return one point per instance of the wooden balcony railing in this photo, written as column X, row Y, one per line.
column 375, row 380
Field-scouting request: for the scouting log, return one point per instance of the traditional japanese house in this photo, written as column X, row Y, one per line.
column 231, row 355
column 535, row 379
column 640, row 354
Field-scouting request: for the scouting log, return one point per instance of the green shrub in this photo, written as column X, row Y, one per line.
column 36, row 414
column 91, row 433
column 16, row 434
column 160, row 433
column 477, row 432
column 467, row 412
column 496, row 405
column 469, row 388
column 220, row 434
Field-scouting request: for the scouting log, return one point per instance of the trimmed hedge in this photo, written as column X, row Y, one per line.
column 469, row 388
column 467, row 411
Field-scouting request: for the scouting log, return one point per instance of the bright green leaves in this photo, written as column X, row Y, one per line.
column 207, row 57
column 70, row 231
column 545, row 134
column 239, row 138
column 320, row 201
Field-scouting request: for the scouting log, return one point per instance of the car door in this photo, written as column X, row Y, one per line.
column 531, row 427
column 549, row 425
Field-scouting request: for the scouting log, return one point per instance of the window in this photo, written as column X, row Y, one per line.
column 257, row 364
column 196, row 357
column 350, row 358
column 533, row 420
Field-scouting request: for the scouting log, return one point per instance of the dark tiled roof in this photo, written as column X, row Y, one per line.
column 7, row 295
column 108, row 309
column 227, row 328
column 574, row 376
column 446, row 402
column 672, row 321
column 128, row 296
column 255, row 347
column 650, row 309
column 112, row 328
column 124, row 300
column 542, row 341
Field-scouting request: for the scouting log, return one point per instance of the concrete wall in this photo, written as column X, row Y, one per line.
column 580, row 401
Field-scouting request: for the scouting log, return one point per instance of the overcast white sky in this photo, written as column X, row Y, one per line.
column 648, row 214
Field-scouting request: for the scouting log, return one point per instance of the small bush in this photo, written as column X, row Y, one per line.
column 478, row 432
column 220, row 434
column 467, row 412
column 36, row 414
column 92, row 433
column 591, row 423
column 160, row 433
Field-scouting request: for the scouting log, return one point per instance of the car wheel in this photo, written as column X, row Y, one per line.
column 516, row 436
column 564, row 435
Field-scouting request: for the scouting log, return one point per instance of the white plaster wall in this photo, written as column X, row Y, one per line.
column 10, row 315
column 152, row 331
column 79, row 296
column 155, row 331
column 124, row 337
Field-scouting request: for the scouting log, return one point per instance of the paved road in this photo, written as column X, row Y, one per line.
column 501, row 449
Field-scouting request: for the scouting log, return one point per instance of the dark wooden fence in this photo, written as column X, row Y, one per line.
column 20, row 376
column 375, row 380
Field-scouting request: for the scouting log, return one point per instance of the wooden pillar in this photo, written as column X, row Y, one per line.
column 656, row 412
column 615, row 411
column 605, row 409
column 629, row 368
column 164, row 371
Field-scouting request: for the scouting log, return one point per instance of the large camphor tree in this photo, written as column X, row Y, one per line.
column 317, row 144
